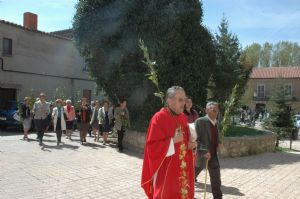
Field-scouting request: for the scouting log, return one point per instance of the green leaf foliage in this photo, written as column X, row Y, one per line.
column 281, row 117
column 153, row 72
column 283, row 53
column 107, row 33
column 230, row 66
column 229, row 106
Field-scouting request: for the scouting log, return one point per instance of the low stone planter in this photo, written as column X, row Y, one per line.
column 233, row 146
column 134, row 140
column 248, row 145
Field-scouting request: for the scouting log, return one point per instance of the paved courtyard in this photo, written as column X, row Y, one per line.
column 97, row 171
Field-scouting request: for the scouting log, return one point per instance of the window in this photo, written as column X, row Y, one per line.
column 85, row 66
column 7, row 46
column 288, row 89
column 260, row 91
column 85, row 69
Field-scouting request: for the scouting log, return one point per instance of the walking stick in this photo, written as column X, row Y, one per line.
column 206, row 167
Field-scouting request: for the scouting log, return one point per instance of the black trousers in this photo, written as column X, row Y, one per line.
column 40, row 126
column 215, row 176
column 58, row 135
column 120, row 138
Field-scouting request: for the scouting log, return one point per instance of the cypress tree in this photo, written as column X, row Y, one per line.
column 107, row 34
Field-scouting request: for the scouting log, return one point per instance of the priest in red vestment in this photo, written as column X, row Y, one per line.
column 168, row 167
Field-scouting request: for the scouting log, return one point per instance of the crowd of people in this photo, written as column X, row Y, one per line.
column 97, row 117
column 179, row 143
column 249, row 117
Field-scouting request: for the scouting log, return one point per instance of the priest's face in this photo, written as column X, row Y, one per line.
column 177, row 102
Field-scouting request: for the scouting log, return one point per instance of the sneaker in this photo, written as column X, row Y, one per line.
column 40, row 143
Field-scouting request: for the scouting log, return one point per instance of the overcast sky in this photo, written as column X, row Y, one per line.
column 251, row 20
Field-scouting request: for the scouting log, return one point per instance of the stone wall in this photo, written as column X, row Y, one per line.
column 134, row 140
column 248, row 145
column 233, row 146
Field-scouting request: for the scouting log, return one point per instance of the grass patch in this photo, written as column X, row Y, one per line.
column 283, row 149
column 240, row 131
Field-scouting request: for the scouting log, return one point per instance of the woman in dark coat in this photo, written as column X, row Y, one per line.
column 26, row 117
column 84, row 119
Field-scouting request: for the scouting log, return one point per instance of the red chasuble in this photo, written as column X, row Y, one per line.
column 175, row 173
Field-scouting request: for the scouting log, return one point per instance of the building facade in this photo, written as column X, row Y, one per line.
column 36, row 61
column 265, row 82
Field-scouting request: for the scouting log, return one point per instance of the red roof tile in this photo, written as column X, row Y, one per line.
column 67, row 33
column 275, row 72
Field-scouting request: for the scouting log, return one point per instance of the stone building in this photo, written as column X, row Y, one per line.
column 36, row 61
column 265, row 82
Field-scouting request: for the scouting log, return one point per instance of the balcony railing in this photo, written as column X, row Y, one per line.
column 261, row 98
column 265, row 98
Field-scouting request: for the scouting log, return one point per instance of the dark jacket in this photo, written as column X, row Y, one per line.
column 88, row 115
column 202, row 126
column 25, row 111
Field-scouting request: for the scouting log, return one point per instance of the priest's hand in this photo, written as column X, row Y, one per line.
column 192, row 145
column 207, row 156
column 178, row 137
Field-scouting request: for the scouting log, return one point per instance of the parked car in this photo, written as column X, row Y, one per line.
column 9, row 115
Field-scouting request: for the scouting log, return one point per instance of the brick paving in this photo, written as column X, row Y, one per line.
column 97, row 171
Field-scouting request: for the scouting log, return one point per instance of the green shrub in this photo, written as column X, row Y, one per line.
column 239, row 131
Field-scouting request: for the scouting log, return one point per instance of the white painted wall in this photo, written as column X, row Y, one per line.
column 42, row 63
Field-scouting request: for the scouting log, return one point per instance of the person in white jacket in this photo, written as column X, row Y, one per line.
column 59, row 121
column 70, row 113
column 105, row 117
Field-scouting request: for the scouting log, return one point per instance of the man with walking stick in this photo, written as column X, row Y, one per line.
column 208, row 143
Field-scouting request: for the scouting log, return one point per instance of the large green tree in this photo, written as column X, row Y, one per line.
column 252, row 54
column 181, row 46
column 281, row 117
column 266, row 55
column 286, row 54
column 107, row 34
column 283, row 53
column 229, row 69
